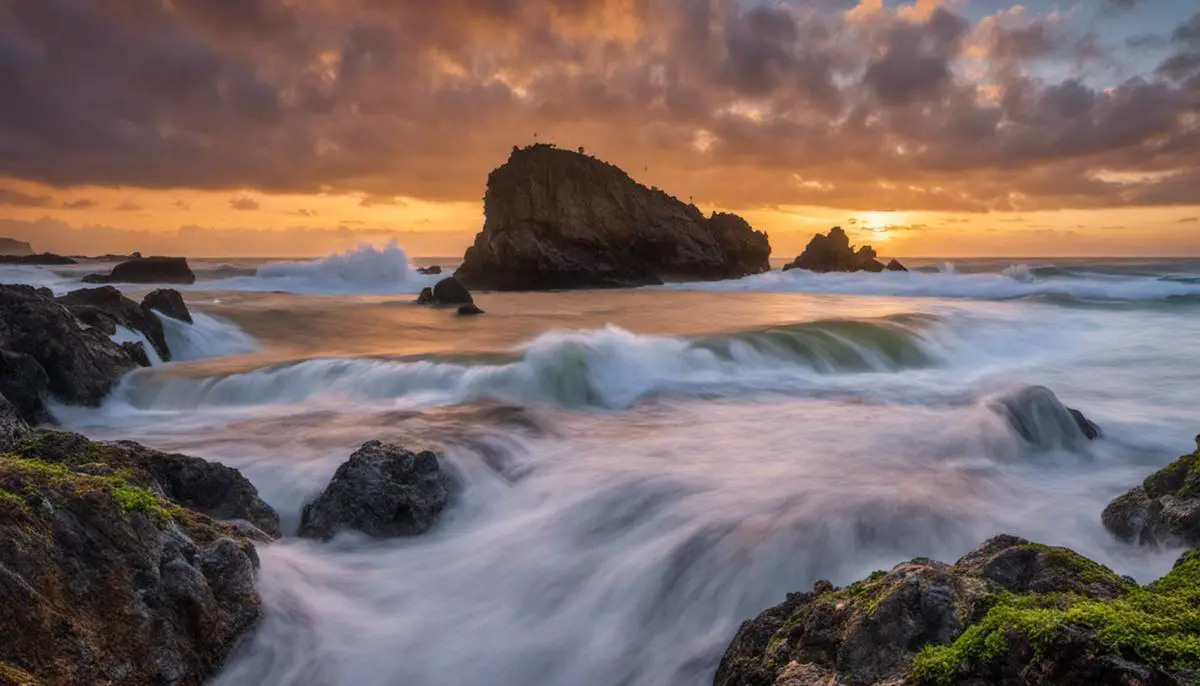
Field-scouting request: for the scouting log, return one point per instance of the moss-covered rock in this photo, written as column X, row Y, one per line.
column 1165, row 509
column 1011, row 612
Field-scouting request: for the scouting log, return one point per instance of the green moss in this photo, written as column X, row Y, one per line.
column 14, row 676
column 12, row 501
column 1157, row 624
column 1174, row 479
column 31, row 476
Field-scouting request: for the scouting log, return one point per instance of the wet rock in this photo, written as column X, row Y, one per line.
column 431, row 270
column 448, row 291
column 833, row 253
column 12, row 426
column 383, row 491
column 1088, row 428
column 895, row 266
column 147, row 270
column 169, row 302
column 471, row 309
column 426, row 296
column 210, row 488
column 105, row 308
column 1040, row 418
column 1164, row 510
column 1001, row 615
column 559, row 219
column 46, row 258
column 45, row 350
column 102, row 582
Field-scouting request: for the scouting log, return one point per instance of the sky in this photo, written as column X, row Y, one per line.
column 300, row 127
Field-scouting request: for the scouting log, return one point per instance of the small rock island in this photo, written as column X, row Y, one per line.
column 558, row 219
column 833, row 253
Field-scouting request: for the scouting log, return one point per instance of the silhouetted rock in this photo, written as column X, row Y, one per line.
column 104, row 581
column 426, row 296
column 169, row 302
column 1011, row 612
column 46, row 258
column 383, row 491
column 448, row 291
column 147, row 270
column 46, row 350
column 895, row 266
column 560, row 219
column 13, row 247
column 833, row 253
column 432, row 270
column 1165, row 509
column 106, row 309
column 471, row 309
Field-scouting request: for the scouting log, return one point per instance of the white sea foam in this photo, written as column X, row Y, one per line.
column 206, row 336
column 125, row 335
column 366, row 269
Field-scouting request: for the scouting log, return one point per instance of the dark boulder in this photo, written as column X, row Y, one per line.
column 448, row 291
column 169, row 302
column 106, row 309
column 147, row 270
column 895, row 266
column 431, row 270
column 210, row 488
column 1164, row 510
column 46, row 258
column 558, row 219
column 104, row 582
column 383, row 491
column 1011, row 612
column 833, row 253
column 471, row 309
column 426, row 296
column 46, row 350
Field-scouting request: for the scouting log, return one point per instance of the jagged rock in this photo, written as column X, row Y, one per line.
column 1165, row 509
column 210, row 488
column 102, row 582
column 46, row 258
column 15, row 248
column 471, row 309
column 169, row 302
column 46, row 350
column 147, row 270
column 559, row 219
column 12, row 426
column 431, row 270
column 448, row 291
column 106, row 309
column 383, row 491
column 833, row 253
column 1011, row 612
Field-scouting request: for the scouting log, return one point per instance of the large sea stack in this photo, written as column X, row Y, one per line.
column 147, row 270
column 833, row 253
column 561, row 219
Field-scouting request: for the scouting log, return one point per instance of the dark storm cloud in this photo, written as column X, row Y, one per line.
column 731, row 102
column 18, row 199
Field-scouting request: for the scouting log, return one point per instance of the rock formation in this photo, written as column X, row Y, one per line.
column 448, row 291
column 103, row 580
column 470, row 309
column 12, row 427
column 431, row 270
column 46, row 350
column 1165, row 509
column 1040, row 418
column 562, row 219
column 13, row 247
column 383, row 491
column 46, row 258
column 833, row 253
column 105, row 308
column 169, row 302
column 147, row 270
column 1011, row 612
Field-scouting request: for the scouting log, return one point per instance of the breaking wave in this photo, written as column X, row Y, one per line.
column 205, row 337
column 362, row 270
column 1015, row 281
column 608, row 368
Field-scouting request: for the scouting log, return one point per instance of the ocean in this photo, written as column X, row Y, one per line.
column 644, row 469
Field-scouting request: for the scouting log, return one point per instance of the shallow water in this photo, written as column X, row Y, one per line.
column 645, row 469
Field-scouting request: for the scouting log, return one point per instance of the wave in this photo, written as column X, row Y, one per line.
column 608, row 368
column 205, row 337
column 1016, row 281
column 362, row 270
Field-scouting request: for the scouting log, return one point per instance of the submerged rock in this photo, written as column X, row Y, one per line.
column 169, row 302
column 383, row 491
column 106, row 309
column 469, row 310
column 1011, row 612
column 104, row 582
column 833, row 253
column 561, row 219
column 147, row 270
column 210, row 488
column 45, row 350
column 1164, row 510
column 1040, row 418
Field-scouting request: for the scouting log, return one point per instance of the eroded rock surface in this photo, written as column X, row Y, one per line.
column 1165, row 509
column 833, row 253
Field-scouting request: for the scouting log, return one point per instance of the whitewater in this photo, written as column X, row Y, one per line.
column 641, row 470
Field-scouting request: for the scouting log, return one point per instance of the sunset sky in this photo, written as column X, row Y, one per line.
column 297, row 127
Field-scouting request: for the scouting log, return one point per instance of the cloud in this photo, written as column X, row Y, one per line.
column 128, row 206
column 1188, row 220
column 304, row 213
column 19, row 199
column 80, row 204
column 243, row 203
column 372, row 200
column 912, row 105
